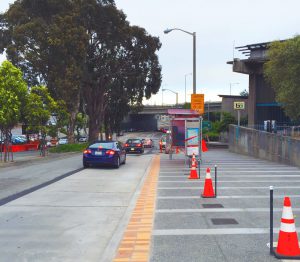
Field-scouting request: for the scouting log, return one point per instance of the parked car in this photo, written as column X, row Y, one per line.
column 134, row 146
column 104, row 153
column 148, row 142
column 19, row 139
column 82, row 139
column 63, row 141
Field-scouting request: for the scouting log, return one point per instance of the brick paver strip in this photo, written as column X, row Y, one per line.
column 135, row 245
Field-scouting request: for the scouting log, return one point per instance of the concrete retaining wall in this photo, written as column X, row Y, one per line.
column 264, row 145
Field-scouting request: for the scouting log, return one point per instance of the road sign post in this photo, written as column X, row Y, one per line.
column 239, row 106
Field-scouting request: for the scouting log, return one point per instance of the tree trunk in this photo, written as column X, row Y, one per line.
column 71, row 126
column 94, row 127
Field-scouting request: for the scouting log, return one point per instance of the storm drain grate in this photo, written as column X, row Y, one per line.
column 212, row 205
column 224, row 221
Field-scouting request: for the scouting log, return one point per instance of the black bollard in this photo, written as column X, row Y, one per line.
column 271, row 220
column 216, row 179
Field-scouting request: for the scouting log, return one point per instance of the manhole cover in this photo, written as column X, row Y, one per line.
column 224, row 221
column 212, row 205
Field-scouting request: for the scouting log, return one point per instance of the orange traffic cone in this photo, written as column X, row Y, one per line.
column 208, row 191
column 194, row 159
column 177, row 150
column 288, row 245
column 193, row 173
column 160, row 147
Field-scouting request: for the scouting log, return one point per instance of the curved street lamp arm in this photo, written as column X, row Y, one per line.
column 169, row 30
column 166, row 89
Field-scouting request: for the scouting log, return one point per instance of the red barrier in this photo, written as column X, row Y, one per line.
column 21, row 148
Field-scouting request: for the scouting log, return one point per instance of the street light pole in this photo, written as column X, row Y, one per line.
column 194, row 53
column 194, row 62
column 185, row 85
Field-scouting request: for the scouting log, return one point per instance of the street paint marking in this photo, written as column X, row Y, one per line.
column 242, row 171
column 228, row 187
column 253, row 176
column 237, row 168
column 212, row 231
column 220, row 210
column 234, row 181
column 227, row 197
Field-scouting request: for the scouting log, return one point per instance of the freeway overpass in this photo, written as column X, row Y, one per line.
column 150, row 117
column 157, row 109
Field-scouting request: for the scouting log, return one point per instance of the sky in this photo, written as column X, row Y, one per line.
column 220, row 26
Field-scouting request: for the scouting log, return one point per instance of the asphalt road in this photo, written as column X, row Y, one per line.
column 232, row 227
column 77, row 218
column 53, row 210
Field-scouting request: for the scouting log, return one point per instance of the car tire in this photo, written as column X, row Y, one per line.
column 117, row 163
column 124, row 162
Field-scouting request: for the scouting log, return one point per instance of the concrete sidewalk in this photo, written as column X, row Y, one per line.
column 232, row 227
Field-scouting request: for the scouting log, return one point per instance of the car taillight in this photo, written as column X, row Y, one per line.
column 126, row 145
column 110, row 152
column 139, row 145
column 87, row 151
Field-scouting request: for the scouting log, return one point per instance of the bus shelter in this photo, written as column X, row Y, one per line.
column 185, row 132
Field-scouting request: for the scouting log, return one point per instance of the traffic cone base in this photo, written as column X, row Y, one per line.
column 208, row 191
column 193, row 174
column 288, row 245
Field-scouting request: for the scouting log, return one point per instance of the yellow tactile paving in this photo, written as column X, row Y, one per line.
column 135, row 245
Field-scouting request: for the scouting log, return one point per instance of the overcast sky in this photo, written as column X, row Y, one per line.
column 219, row 26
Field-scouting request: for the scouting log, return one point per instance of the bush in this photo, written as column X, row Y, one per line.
column 69, row 148
column 212, row 136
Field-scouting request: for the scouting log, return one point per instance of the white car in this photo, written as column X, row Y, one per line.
column 63, row 141
column 82, row 139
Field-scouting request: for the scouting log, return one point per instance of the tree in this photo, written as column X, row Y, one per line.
column 282, row 70
column 83, row 48
column 39, row 108
column 13, row 91
column 46, row 40
column 121, row 65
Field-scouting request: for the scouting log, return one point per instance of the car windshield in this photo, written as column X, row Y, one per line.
column 106, row 145
column 133, row 141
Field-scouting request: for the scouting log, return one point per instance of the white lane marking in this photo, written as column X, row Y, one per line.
column 228, row 187
column 219, row 210
column 233, row 181
column 212, row 231
column 238, row 176
column 240, row 171
column 227, row 197
column 232, row 167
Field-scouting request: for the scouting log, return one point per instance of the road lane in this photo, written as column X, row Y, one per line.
column 15, row 179
column 73, row 219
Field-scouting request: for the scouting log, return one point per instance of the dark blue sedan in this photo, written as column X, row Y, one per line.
column 104, row 153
